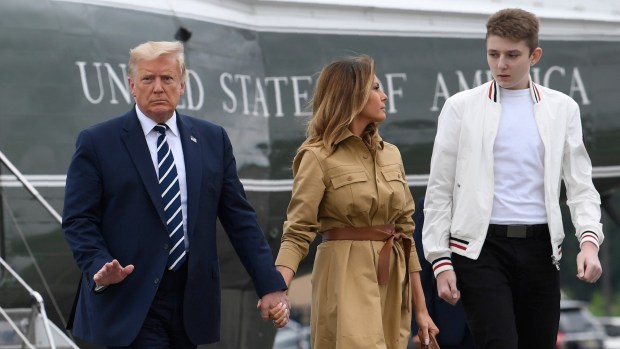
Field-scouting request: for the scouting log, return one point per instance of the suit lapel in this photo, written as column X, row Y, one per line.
column 135, row 142
column 193, row 167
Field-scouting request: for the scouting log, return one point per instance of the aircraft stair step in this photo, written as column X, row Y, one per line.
column 30, row 323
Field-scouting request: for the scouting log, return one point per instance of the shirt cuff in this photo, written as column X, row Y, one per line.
column 442, row 264
column 588, row 236
column 288, row 258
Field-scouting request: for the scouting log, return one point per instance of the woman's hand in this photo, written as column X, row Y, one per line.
column 279, row 315
column 422, row 318
column 427, row 328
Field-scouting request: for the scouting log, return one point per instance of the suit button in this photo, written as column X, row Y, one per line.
column 165, row 246
column 156, row 281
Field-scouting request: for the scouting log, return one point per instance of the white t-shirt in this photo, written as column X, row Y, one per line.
column 518, row 163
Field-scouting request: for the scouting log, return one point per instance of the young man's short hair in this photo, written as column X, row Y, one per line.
column 515, row 24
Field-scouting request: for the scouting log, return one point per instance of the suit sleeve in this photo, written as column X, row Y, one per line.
column 82, row 209
column 241, row 224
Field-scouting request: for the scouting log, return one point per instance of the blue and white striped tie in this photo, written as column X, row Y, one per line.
column 171, row 197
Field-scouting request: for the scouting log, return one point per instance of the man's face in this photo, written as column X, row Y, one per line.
column 157, row 87
column 510, row 61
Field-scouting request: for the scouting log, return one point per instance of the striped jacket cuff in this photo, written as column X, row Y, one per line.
column 588, row 236
column 442, row 264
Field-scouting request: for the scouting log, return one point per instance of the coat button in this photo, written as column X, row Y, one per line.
column 156, row 281
column 165, row 246
column 349, row 178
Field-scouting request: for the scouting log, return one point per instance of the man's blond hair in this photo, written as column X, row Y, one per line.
column 151, row 50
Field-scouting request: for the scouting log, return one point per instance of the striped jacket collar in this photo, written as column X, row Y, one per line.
column 494, row 94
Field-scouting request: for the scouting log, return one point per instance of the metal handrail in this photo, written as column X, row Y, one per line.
column 16, row 329
column 36, row 295
column 29, row 187
column 38, row 298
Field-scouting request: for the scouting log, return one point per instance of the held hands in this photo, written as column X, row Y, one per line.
column 112, row 273
column 275, row 306
column 280, row 315
column 588, row 265
column 446, row 287
column 278, row 309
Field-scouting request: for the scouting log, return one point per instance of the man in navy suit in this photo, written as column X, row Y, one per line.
column 117, row 224
column 449, row 318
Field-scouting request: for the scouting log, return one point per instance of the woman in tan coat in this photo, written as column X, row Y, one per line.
column 349, row 186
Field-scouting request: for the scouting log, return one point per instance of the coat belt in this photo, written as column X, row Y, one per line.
column 387, row 233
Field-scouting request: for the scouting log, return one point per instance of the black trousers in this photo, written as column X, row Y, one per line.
column 511, row 293
column 163, row 327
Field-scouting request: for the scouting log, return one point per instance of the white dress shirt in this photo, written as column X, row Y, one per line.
column 174, row 142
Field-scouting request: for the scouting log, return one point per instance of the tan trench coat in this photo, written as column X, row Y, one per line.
column 351, row 188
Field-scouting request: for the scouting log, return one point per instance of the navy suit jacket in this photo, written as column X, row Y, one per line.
column 113, row 209
column 449, row 319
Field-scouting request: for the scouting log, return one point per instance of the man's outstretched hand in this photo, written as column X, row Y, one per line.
column 112, row 273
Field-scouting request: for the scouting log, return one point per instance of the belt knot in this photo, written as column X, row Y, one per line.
column 387, row 233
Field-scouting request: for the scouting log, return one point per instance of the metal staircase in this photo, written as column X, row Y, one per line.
column 29, row 327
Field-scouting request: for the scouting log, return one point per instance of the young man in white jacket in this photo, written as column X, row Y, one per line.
column 493, row 229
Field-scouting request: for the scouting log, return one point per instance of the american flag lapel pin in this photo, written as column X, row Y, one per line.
column 193, row 139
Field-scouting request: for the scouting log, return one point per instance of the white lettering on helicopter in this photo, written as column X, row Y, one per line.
column 278, row 96
column 117, row 83
column 551, row 76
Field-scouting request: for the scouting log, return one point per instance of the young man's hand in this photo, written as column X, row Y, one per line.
column 446, row 287
column 588, row 265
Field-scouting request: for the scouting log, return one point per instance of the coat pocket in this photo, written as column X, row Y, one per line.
column 348, row 192
column 397, row 185
column 340, row 180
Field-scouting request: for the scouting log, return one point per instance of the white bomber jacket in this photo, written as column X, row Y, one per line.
column 459, row 196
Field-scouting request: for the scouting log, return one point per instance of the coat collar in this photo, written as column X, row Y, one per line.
column 348, row 134
column 494, row 94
